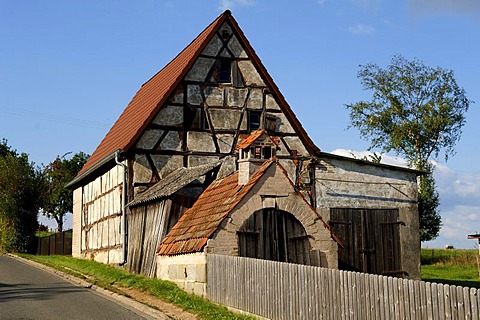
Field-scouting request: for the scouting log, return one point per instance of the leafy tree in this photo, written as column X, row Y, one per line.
column 20, row 199
column 418, row 112
column 428, row 201
column 58, row 198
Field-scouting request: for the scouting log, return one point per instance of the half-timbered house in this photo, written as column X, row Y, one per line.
column 209, row 157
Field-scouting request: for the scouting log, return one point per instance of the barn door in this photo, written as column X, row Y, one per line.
column 273, row 234
column 371, row 240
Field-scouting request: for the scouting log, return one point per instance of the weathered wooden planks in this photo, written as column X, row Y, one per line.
column 277, row 290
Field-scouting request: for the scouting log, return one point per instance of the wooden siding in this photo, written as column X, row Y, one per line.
column 147, row 226
column 371, row 239
column 290, row 291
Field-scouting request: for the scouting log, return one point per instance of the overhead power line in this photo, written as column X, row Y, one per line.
column 53, row 117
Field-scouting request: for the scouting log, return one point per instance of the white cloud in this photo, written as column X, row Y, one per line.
column 230, row 4
column 459, row 200
column 361, row 29
column 386, row 159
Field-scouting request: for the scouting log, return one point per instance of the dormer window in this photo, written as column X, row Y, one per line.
column 257, row 152
column 254, row 150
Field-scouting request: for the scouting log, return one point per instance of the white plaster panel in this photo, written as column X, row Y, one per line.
column 171, row 142
column 169, row 115
column 283, row 124
column 224, row 118
column 177, row 97
column 194, row 95
column 255, row 100
column 141, row 169
column 294, row 143
column 194, row 161
column 115, row 255
column 236, row 97
column 213, row 47
column 172, row 163
column 149, row 138
column 368, row 186
column 214, row 96
column 249, row 73
column 236, row 48
column 225, row 142
column 200, row 69
column 225, row 27
column 200, row 141
column 225, row 54
column 77, row 222
column 271, row 103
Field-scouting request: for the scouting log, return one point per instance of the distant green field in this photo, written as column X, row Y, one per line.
column 42, row 234
column 451, row 266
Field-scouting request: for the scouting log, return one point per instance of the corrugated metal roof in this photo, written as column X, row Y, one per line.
column 173, row 182
column 198, row 223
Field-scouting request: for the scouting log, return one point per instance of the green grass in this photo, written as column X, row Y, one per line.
column 108, row 276
column 42, row 234
column 450, row 266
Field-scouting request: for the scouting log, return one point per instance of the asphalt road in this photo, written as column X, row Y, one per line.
column 27, row 292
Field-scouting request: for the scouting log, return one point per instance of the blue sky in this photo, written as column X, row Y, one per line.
column 69, row 68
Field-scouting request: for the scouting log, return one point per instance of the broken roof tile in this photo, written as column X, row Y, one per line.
column 199, row 222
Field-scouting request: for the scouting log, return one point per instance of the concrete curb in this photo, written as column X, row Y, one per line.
column 112, row 296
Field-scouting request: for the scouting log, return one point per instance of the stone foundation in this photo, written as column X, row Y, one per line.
column 188, row 271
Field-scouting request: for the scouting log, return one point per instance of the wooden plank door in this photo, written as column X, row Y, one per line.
column 371, row 239
column 273, row 234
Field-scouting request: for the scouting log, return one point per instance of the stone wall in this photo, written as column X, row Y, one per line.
column 353, row 184
column 188, row 271
column 273, row 190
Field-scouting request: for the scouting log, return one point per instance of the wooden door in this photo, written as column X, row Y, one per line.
column 371, row 239
column 273, row 234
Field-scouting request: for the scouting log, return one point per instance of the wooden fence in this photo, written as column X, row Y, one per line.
column 59, row 243
column 290, row 291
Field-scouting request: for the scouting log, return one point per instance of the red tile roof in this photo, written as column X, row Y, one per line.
column 251, row 139
column 193, row 229
column 155, row 92
column 150, row 97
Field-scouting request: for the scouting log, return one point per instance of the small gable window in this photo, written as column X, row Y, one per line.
column 225, row 71
column 254, row 118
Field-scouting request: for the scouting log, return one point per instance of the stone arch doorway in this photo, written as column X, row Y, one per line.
column 273, row 234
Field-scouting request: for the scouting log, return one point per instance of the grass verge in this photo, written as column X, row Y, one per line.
column 108, row 276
